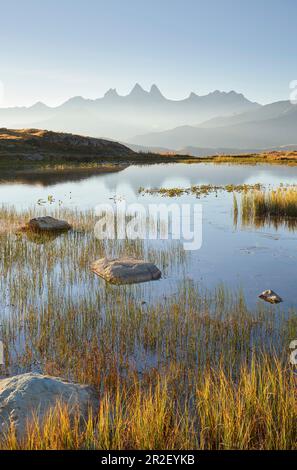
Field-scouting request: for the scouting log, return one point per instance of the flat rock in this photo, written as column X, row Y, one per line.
column 48, row 224
column 126, row 270
column 270, row 296
column 23, row 396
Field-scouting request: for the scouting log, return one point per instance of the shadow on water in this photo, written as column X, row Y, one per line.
column 53, row 176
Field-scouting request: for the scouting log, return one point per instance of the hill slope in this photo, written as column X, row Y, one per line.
column 35, row 147
column 270, row 126
column 38, row 145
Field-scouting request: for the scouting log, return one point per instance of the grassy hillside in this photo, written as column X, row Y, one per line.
column 25, row 148
column 39, row 145
column 34, row 148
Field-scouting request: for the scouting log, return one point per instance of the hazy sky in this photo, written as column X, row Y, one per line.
column 51, row 50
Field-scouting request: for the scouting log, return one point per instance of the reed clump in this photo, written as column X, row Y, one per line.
column 273, row 207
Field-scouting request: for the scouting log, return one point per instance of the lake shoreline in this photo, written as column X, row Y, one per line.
column 36, row 150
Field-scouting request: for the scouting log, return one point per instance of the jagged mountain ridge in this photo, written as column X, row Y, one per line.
column 121, row 117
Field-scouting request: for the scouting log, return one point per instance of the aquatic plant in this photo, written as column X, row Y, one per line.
column 199, row 190
column 271, row 206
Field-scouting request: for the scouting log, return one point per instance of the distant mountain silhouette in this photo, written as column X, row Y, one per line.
column 122, row 117
column 268, row 111
column 210, row 151
column 273, row 125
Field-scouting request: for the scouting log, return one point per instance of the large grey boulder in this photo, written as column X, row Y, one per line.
column 23, row 396
column 126, row 270
column 48, row 224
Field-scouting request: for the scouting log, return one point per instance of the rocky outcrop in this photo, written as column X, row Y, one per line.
column 27, row 395
column 126, row 270
column 48, row 224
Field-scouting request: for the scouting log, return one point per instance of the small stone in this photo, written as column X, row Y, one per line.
column 270, row 296
column 126, row 270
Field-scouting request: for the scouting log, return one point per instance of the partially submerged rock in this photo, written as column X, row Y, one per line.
column 126, row 270
column 27, row 395
column 48, row 224
column 270, row 296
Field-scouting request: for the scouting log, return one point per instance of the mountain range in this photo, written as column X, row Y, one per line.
column 219, row 122
column 270, row 126
column 122, row 117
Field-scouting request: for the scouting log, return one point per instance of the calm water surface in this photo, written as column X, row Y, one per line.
column 250, row 259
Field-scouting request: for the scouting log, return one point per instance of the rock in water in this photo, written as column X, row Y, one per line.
column 48, row 224
column 126, row 270
column 270, row 296
column 24, row 395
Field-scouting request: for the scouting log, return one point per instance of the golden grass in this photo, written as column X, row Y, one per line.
column 21, row 134
column 288, row 157
column 188, row 368
column 256, row 411
column 273, row 207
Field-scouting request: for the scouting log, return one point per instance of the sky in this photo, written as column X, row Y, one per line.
column 52, row 50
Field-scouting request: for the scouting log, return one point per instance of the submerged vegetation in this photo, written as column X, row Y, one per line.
column 187, row 369
column 200, row 190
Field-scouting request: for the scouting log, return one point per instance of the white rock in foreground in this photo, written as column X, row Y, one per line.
column 270, row 296
column 126, row 270
column 48, row 224
column 24, row 395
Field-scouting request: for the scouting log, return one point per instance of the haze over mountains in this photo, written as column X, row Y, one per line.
column 220, row 122
column 270, row 126
column 122, row 117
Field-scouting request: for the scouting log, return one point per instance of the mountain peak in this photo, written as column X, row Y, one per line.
column 154, row 91
column 137, row 90
column 217, row 93
column 75, row 100
column 111, row 93
column 39, row 106
column 235, row 93
column 193, row 95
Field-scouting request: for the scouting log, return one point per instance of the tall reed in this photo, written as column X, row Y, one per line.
column 181, row 368
column 256, row 411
